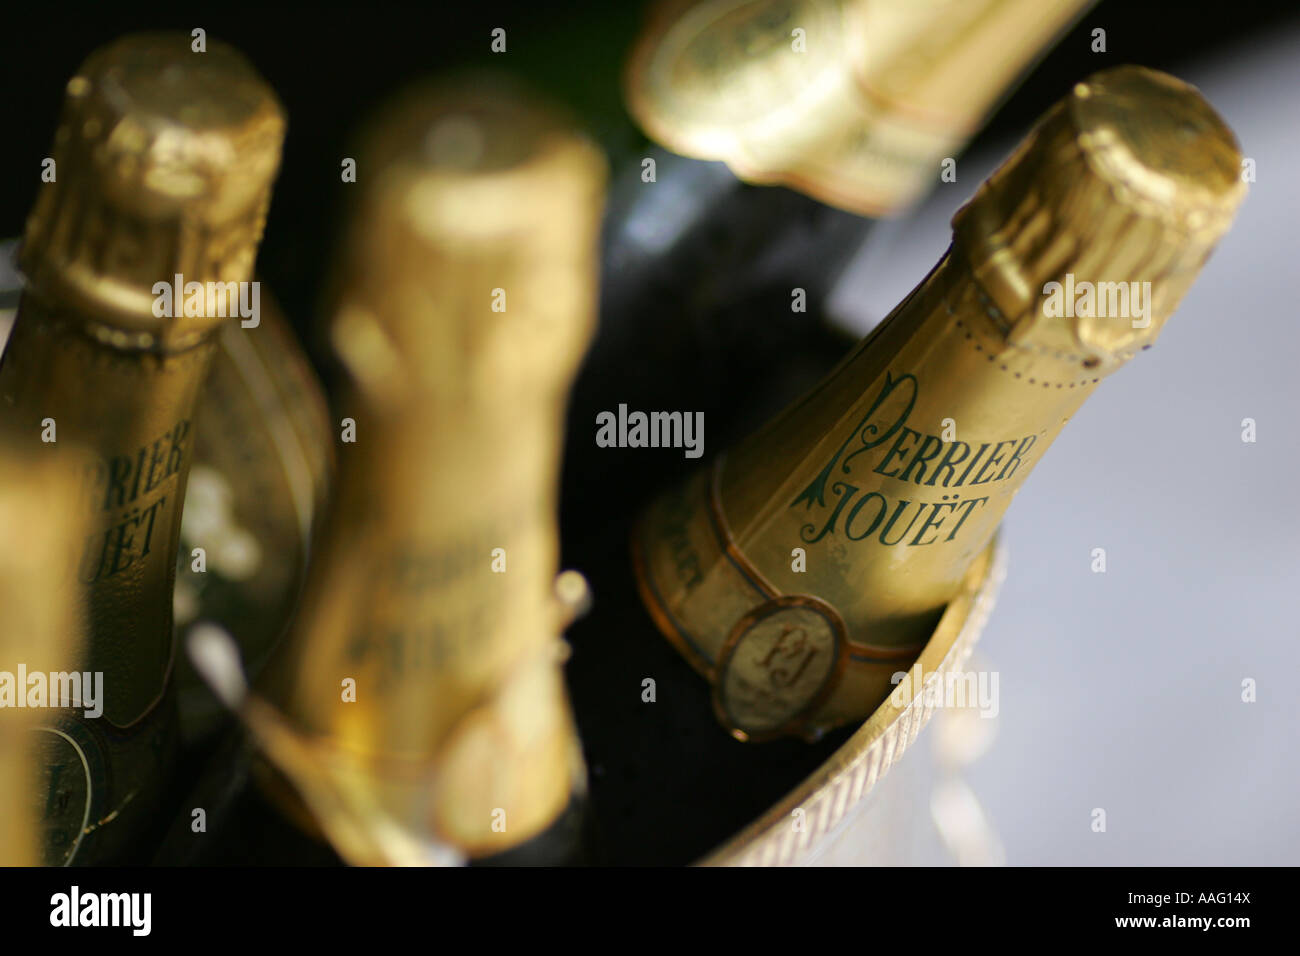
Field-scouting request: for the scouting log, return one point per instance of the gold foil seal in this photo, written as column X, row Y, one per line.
column 40, row 631
column 478, row 184
column 807, row 567
column 847, row 818
column 468, row 294
column 854, row 102
column 164, row 159
column 1132, row 178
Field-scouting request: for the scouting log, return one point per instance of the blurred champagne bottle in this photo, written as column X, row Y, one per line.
column 811, row 563
column 140, row 246
column 41, row 505
column 422, row 681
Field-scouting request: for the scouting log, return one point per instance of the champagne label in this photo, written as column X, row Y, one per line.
column 135, row 455
column 129, row 490
column 779, row 662
column 911, row 456
column 807, row 567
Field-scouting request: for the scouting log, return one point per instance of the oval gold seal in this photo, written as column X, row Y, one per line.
column 779, row 663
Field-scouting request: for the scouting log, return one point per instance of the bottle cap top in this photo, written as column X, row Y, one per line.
column 471, row 258
column 1087, row 237
column 163, row 164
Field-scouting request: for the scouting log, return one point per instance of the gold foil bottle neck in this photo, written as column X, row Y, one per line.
column 854, row 102
column 1129, row 181
column 163, row 164
column 478, row 203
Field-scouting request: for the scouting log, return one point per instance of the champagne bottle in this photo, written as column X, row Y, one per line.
column 40, row 633
column 810, row 563
column 263, row 456
column 854, row 102
column 421, row 682
column 161, row 174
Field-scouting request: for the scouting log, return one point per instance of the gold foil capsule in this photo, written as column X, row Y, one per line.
column 854, row 102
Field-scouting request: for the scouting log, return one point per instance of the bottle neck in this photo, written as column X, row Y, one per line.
column 130, row 415
column 895, row 471
column 937, row 397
